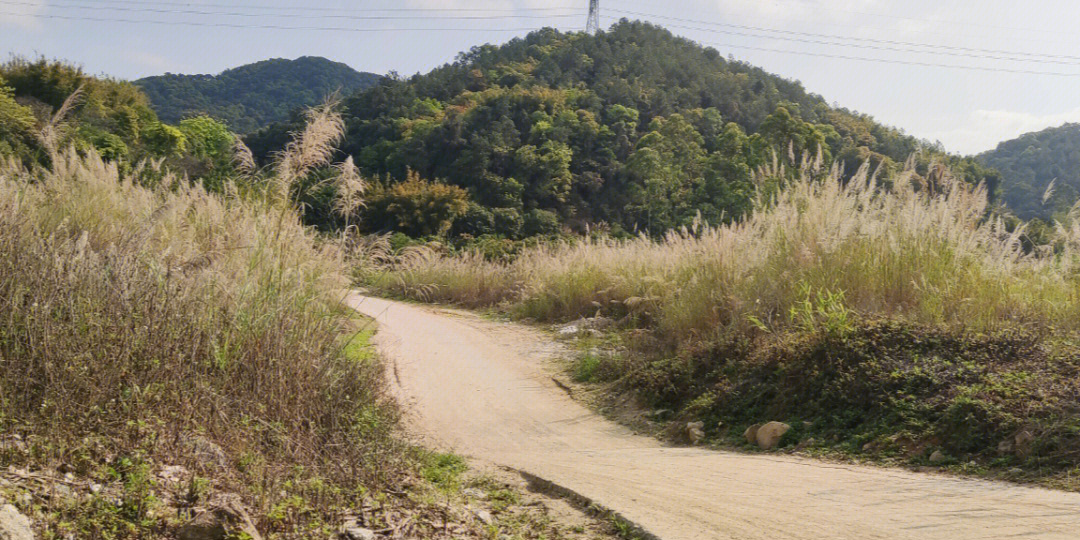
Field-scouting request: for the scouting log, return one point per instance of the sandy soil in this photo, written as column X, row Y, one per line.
column 485, row 389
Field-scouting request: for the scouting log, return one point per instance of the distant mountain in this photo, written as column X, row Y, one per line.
column 253, row 96
column 1030, row 162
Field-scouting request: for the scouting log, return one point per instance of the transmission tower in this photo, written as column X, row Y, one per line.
column 593, row 26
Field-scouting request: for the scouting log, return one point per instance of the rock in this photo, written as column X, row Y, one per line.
column 1005, row 447
column 95, row 488
column 868, row 447
column 62, row 493
column 207, row 450
column 484, row 516
column 695, row 431
column 937, row 457
column 751, row 433
column 1022, row 442
column 568, row 330
column 356, row 532
column 597, row 323
column 13, row 525
column 474, row 493
column 173, row 474
column 224, row 519
column 660, row 414
column 13, row 442
column 768, row 436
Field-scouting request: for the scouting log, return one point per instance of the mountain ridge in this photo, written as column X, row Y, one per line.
column 255, row 95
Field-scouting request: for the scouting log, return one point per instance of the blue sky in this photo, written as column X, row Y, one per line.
column 969, row 73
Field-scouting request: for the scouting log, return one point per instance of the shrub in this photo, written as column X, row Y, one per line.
column 416, row 207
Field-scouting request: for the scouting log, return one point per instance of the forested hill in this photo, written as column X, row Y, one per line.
column 633, row 127
column 1030, row 162
column 253, row 96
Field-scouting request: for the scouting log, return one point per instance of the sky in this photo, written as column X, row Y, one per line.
column 967, row 73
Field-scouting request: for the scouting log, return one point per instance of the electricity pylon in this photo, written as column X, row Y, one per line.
column 593, row 26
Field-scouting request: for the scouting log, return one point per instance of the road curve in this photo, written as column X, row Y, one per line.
column 484, row 390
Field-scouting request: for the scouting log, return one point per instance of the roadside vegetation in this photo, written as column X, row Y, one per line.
column 175, row 357
column 884, row 319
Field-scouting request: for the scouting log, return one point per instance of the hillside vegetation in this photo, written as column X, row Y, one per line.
column 633, row 129
column 255, row 95
column 1028, row 165
column 890, row 321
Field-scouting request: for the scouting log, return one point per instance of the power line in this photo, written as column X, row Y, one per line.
column 302, row 16
column 311, row 8
column 864, row 40
column 892, row 61
column 879, row 47
column 263, row 26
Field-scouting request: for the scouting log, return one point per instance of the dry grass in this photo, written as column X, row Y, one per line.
column 821, row 251
column 137, row 321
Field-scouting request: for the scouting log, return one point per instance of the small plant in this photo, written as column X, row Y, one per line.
column 586, row 368
column 822, row 310
column 444, row 470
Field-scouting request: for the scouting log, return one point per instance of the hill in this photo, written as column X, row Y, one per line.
column 634, row 128
column 255, row 95
column 1030, row 162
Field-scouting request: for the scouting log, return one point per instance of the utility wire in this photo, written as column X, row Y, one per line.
column 878, row 47
column 305, row 8
column 892, row 61
column 834, row 36
column 263, row 26
column 303, row 16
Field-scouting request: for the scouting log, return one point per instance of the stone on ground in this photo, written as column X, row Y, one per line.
column 768, row 436
column 13, row 525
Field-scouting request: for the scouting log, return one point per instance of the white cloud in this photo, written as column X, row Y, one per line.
column 984, row 129
column 23, row 14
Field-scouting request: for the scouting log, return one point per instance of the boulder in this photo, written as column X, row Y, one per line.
column 937, row 457
column 13, row 525
column 1022, row 442
column 751, row 433
column 356, row 532
column 1005, row 447
column 695, row 431
column 768, row 436
column 207, row 451
column 225, row 518
column 484, row 516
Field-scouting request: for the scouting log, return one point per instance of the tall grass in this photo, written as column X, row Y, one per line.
column 147, row 321
column 821, row 252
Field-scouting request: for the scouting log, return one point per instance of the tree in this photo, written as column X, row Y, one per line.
column 416, row 206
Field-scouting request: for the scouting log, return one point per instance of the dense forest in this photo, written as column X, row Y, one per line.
column 1028, row 165
column 47, row 106
column 255, row 95
column 633, row 128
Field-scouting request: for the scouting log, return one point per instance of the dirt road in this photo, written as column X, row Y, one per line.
column 484, row 390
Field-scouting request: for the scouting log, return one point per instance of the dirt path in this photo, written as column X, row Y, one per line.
column 484, row 390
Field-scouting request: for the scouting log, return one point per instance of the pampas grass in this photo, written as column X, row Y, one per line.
column 136, row 319
column 921, row 250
